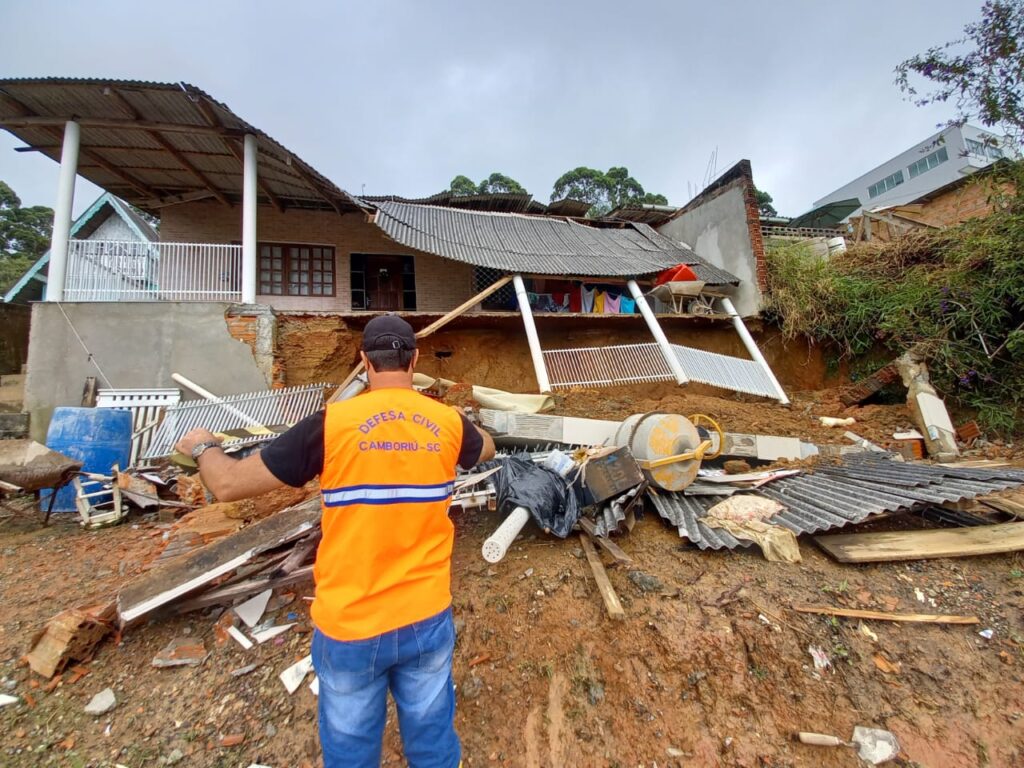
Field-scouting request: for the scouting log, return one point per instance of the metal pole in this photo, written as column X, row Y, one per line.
column 531, row 336
column 659, row 335
column 62, row 212
column 751, row 345
column 249, row 220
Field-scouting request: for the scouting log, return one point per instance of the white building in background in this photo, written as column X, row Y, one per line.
column 950, row 154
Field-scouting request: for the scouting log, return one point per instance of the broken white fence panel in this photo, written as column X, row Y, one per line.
column 147, row 407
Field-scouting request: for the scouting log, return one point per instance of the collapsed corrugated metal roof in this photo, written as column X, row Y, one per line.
column 831, row 496
column 153, row 144
column 539, row 245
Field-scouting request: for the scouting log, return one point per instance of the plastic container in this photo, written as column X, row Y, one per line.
column 98, row 437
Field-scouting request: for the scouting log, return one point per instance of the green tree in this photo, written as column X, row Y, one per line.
column 462, row 185
column 982, row 73
column 764, row 203
column 603, row 190
column 24, row 235
column 496, row 183
column 500, row 183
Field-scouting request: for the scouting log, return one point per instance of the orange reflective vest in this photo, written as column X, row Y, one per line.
column 389, row 471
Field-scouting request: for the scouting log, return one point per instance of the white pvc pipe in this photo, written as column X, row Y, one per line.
column 536, row 353
column 62, row 212
column 659, row 335
column 207, row 395
column 751, row 345
column 497, row 545
column 249, row 220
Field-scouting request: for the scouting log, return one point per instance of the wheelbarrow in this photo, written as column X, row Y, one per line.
column 30, row 467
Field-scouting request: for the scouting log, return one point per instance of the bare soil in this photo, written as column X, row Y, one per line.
column 710, row 666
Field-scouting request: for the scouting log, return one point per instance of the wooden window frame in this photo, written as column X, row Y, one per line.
column 289, row 253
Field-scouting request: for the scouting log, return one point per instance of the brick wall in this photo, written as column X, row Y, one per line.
column 441, row 284
column 969, row 201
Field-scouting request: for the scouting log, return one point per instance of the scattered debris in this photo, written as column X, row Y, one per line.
column 872, row 744
column 832, row 421
column 270, row 633
column 242, row 640
column 69, row 637
column 6, row 699
column 251, row 611
column 611, row 600
column 292, row 677
column 181, row 652
column 101, row 703
column 822, row 662
column 987, row 634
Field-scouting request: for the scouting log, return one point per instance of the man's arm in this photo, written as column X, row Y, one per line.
column 229, row 479
column 488, row 450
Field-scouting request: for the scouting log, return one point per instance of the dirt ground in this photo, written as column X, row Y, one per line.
column 710, row 666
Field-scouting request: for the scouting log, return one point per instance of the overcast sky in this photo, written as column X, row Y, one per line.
column 399, row 97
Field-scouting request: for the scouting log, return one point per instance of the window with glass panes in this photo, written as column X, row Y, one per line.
column 928, row 162
column 296, row 270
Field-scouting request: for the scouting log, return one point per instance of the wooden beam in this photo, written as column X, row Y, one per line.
column 611, row 600
column 609, row 546
column 923, row 545
column 34, row 121
column 186, row 197
column 852, row 613
column 187, row 164
column 315, row 186
column 434, row 326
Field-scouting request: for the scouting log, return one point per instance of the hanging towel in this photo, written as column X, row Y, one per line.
column 611, row 304
column 587, row 298
column 599, row 302
column 576, row 300
column 627, row 306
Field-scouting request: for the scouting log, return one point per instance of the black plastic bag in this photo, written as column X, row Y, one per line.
column 551, row 501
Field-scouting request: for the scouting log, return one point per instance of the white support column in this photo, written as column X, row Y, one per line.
column 62, row 212
column 539, row 368
column 751, row 345
column 249, row 220
column 659, row 335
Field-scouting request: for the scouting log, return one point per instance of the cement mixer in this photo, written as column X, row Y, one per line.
column 668, row 447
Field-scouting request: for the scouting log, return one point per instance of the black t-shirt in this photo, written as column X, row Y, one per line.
column 297, row 456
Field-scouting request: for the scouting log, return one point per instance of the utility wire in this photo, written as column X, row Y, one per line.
column 92, row 357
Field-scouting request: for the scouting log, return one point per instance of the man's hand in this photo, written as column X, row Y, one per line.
column 194, row 438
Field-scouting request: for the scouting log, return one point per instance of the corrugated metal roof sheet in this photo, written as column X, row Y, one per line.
column 537, row 244
column 832, row 496
column 125, row 125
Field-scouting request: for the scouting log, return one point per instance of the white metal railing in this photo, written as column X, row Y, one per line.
column 113, row 270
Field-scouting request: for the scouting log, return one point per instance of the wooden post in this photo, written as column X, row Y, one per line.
column 611, row 600
column 89, row 392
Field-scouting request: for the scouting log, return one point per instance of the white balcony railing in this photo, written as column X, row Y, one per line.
column 112, row 270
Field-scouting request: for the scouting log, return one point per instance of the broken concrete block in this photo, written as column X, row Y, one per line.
column 101, row 703
column 181, row 652
column 70, row 636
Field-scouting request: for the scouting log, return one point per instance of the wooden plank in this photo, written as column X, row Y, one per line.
column 923, row 545
column 434, row 326
column 611, row 600
column 852, row 613
column 176, row 579
column 609, row 546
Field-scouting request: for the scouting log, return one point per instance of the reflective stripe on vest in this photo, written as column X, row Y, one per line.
column 386, row 494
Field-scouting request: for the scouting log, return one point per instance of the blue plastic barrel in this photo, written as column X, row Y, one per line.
column 99, row 437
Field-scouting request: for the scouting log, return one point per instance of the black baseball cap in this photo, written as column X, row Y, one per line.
column 388, row 332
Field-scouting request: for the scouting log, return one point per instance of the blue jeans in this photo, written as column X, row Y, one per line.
column 415, row 663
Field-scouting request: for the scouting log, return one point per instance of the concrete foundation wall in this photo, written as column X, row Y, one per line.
column 441, row 284
column 136, row 345
column 14, row 325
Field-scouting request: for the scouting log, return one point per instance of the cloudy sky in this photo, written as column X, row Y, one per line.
column 399, row 97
